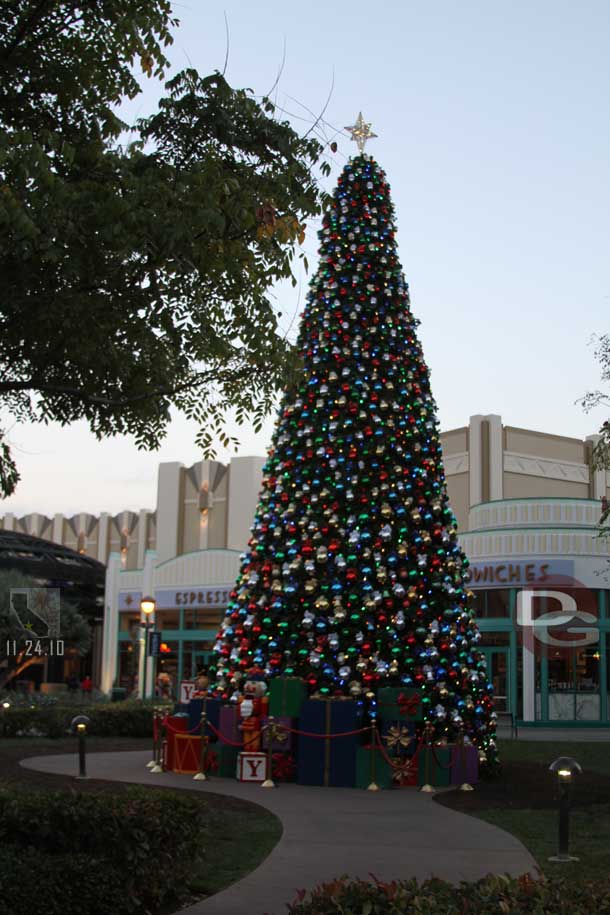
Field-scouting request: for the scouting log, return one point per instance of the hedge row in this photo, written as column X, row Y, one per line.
column 96, row 854
column 115, row 719
column 494, row 895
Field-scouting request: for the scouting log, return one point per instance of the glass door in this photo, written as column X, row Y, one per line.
column 498, row 672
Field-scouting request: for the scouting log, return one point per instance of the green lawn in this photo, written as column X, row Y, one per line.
column 537, row 829
column 592, row 756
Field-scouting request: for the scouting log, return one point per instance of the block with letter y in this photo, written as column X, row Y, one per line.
column 251, row 767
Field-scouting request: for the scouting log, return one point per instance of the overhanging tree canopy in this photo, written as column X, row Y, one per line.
column 134, row 276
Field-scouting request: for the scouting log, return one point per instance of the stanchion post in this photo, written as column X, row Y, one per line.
column 462, row 755
column 428, row 734
column 271, row 730
column 155, row 723
column 373, row 785
column 156, row 767
column 201, row 775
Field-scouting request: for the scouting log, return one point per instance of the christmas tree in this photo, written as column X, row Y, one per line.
column 354, row 578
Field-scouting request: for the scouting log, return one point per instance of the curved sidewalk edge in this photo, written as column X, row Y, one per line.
column 329, row 832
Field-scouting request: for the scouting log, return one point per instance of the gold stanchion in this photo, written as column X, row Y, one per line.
column 152, row 762
column 156, row 768
column 201, row 775
column 373, row 786
column 462, row 753
column 272, row 733
column 428, row 734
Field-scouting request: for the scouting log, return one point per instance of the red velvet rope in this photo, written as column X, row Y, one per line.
column 232, row 743
column 174, row 730
column 326, row 736
column 439, row 763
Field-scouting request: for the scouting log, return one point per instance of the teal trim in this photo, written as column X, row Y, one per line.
column 603, row 660
column 544, row 688
column 512, row 658
column 528, row 527
column 180, row 661
column 534, row 499
column 563, row 724
column 214, row 549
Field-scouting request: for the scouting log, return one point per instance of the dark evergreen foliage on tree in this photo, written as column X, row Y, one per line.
column 354, row 578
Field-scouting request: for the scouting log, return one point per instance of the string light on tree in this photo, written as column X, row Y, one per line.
column 353, row 577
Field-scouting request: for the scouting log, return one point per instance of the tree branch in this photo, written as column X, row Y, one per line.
column 32, row 385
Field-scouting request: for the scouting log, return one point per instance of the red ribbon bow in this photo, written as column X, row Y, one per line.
column 408, row 705
column 283, row 766
column 211, row 761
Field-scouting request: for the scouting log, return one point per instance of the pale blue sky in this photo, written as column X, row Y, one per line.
column 494, row 132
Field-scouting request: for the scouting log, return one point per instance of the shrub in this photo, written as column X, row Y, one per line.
column 117, row 719
column 493, row 895
column 112, row 853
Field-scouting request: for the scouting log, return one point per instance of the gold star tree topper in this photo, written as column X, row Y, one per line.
column 361, row 132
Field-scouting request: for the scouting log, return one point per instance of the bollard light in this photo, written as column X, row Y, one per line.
column 565, row 768
column 6, row 704
column 80, row 724
column 5, row 707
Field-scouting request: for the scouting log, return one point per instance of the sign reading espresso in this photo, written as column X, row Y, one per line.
column 519, row 573
column 198, row 598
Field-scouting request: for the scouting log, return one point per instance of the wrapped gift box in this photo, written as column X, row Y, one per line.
column 175, row 724
column 435, row 766
column 328, row 760
column 227, row 759
column 394, row 734
column 279, row 745
column 286, row 696
column 212, row 710
column 399, row 703
column 381, row 772
column 465, row 765
column 251, row 767
column 187, row 753
column 229, row 724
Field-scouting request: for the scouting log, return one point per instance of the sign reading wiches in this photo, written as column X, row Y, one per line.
column 170, row 598
column 519, row 573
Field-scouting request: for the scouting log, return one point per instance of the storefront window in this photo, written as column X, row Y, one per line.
column 128, row 665
column 573, row 684
column 166, row 673
column 129, row 622
column 492, row 604
column 203, row 618
column 494, row 639
column 195, row 657
column 167, row 619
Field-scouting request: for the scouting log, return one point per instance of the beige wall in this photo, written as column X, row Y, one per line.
column 540, row 444
column 457, row 490
column 520, row 486
column 484, row 461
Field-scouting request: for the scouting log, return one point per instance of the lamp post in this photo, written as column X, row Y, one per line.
column 147, row 607
column 565, row 768
column 79, row 724
column 5, row 707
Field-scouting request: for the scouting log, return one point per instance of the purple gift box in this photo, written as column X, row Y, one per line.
column 229, row 725
column 465, row 765
column 280, row 745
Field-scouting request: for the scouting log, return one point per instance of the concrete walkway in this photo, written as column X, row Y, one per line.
column 329, row 832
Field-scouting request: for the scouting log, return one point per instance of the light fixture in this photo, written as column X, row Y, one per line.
column 565, row 768
column 205, row 499
column 147, row 605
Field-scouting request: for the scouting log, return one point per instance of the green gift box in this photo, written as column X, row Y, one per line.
column 434, row 766
column 397, row 703
column 366, row 771
column 227, row 760
column 286, row 696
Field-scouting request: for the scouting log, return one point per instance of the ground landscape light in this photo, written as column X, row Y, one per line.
column 565, row 767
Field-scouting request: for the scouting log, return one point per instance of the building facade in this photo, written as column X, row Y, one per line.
column 528, row 506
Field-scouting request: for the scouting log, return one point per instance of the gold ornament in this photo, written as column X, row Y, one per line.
column 398, row 736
